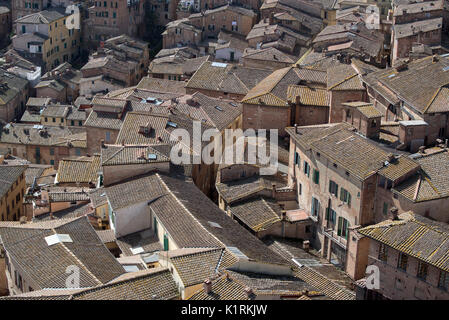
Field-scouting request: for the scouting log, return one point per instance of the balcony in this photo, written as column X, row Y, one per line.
column 333, row 236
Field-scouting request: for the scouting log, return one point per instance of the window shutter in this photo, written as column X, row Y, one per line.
column 336, row 190
column 331, row 189
column 313, row 205
column 349, row 199
column 339, row 225
column 327, row 214
column 342, row 197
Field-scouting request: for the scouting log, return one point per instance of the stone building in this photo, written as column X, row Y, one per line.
column 43, row 145
column 409, row 269
column 266, row 106
column 336, row 173
column 399, row 95
column 5, row 25
column 44, row 39
column 14, row 92
column 420, row 22
column 111, row 19
column 12, row 191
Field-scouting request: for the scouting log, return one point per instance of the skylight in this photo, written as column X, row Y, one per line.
column 218, row 108
column 214, row 224
column 137, row 250
column 131, row 268
column 152, row 156
column 172, row 124
column 219, row 64
column 57, row 238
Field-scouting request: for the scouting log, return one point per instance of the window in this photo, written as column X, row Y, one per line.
column 297, row 158
column 78, row 152
column 306, row 168
column 333, row 188
column 315, row 207
column 422, row 270
column 331, row 216
column 443, row 281
column 52, row 151
column 108, row 136
column 343, row 227
column 345, row 196
column 72, row 123
column 382, row 252
column 402, row 261
column 54, row 119
column 300, row 189
column 316, row 176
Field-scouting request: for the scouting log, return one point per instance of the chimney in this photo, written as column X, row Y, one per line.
column 273, row 190
column 435, row 58
column 23, row 219
column 394, row 213
column 445, row 144
column 207, row 286
column 248, row 291
column 296, row 128
column 421, row 149
column 102, row 144
column 306, row 245
column 51, row 216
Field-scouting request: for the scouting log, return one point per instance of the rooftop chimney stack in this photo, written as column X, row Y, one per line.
column 207, row 286
column 102, row 143
column 306, row 245
column 394, row 213
column 249, row 291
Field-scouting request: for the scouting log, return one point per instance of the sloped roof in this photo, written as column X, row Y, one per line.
column 309, row 96
column 338, row 143
column 431, row 182
column 82, row 170
column 258, row 214
column 27, row 247
column 416, row 236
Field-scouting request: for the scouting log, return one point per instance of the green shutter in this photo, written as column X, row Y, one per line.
column 342, row 196
column 313, row 206
column 349, row 199
column 331, row 186
column 327, row 213
column 155, row 225
column 165, row 243
column 336, row 190
column 339, row 226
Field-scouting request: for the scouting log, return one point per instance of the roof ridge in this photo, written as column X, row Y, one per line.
column 342, row 81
